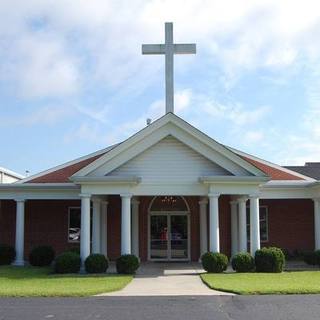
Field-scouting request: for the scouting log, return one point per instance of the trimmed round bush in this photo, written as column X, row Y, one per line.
column 269, row 260
column 67, row 262
column 127, row 264
column 96, row 263
column 243, row 262
column 74, row 250
column 214, row 262
column 7, row 254
column 41, row 256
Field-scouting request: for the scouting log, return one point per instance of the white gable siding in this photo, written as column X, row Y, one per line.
column 169, row 161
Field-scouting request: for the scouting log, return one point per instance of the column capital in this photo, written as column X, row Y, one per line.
column 104, row 202
column 20, row 199
column 233, row 202
column 135, row 201
column 214, row 195
column 126, row 195
column 316, row 199
column 242, row 199
column 96, row 199
column 254, row 196
column 85, row 195
column 203, row 200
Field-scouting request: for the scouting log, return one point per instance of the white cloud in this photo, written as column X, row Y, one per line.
column 109, row 34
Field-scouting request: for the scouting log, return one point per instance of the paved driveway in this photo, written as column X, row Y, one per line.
column 303, row 307
column 167, row 279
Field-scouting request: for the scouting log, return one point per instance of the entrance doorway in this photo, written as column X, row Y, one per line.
column 169, row 231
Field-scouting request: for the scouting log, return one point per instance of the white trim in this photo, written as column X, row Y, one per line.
column 11, row 173
column 67, row 164
column 234, row 179
column 132, row 180
column 271, row 164
column 150, row 130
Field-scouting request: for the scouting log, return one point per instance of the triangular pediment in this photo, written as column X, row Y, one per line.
column 169, row 143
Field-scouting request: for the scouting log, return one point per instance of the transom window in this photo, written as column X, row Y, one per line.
column 263, row 224
column 74, row 224
column 169, row 203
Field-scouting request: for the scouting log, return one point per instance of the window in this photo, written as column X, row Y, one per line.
column 75, row 224
column 263, row 224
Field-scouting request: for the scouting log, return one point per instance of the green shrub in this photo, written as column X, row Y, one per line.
column 269, row 260
column 309, row 257
column 7, row 254
column 41, row 256
column 312, row 257
column 243, row 262
column 74, row 250
column 214, row 262
column 127, row 264
column 96, row 263
column 67, row 262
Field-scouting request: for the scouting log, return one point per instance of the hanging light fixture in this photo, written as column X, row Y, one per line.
column 170, row 200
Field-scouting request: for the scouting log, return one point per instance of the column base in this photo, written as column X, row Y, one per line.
column 18, row 263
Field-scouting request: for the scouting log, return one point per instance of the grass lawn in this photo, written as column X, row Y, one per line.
column 40, row 282
column 265, row 283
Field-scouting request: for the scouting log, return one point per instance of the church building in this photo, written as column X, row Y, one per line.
column 167, row 193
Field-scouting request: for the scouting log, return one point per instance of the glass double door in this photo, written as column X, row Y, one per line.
column 169, row 236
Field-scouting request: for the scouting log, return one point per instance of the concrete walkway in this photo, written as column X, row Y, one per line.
column 167, row 279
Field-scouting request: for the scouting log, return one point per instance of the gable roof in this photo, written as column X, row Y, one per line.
column 61, row 173
column 273, row 170
column 173, row 125
column 83, row 165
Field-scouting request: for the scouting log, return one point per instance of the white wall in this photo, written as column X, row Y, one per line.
column 169, row 161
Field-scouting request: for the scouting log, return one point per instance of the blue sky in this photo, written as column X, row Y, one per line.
column 73, row 80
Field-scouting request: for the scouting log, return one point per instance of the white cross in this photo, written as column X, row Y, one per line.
column 169, row 49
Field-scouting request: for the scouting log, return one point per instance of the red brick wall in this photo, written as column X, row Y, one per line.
column 46, row 222
column 114, row 227
column 291, row 224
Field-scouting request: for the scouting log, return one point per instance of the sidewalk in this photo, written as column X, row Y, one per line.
column 167, row 279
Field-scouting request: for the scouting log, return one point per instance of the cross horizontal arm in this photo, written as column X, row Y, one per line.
column 153, row 49
column 185, row 48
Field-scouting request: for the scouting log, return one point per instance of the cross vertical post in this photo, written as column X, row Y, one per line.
column 169, row 52
column 169, row 49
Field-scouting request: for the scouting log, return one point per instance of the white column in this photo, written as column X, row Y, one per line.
column 103, row 229
column 242, row 225
column 96, row 221
column 214, row 242
column 126, row 223
column 85, row 227
column 234, row 228
column 203, row 226
column 254, row 224
column 19, row 261
column 316, row 223
column 135, row 227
